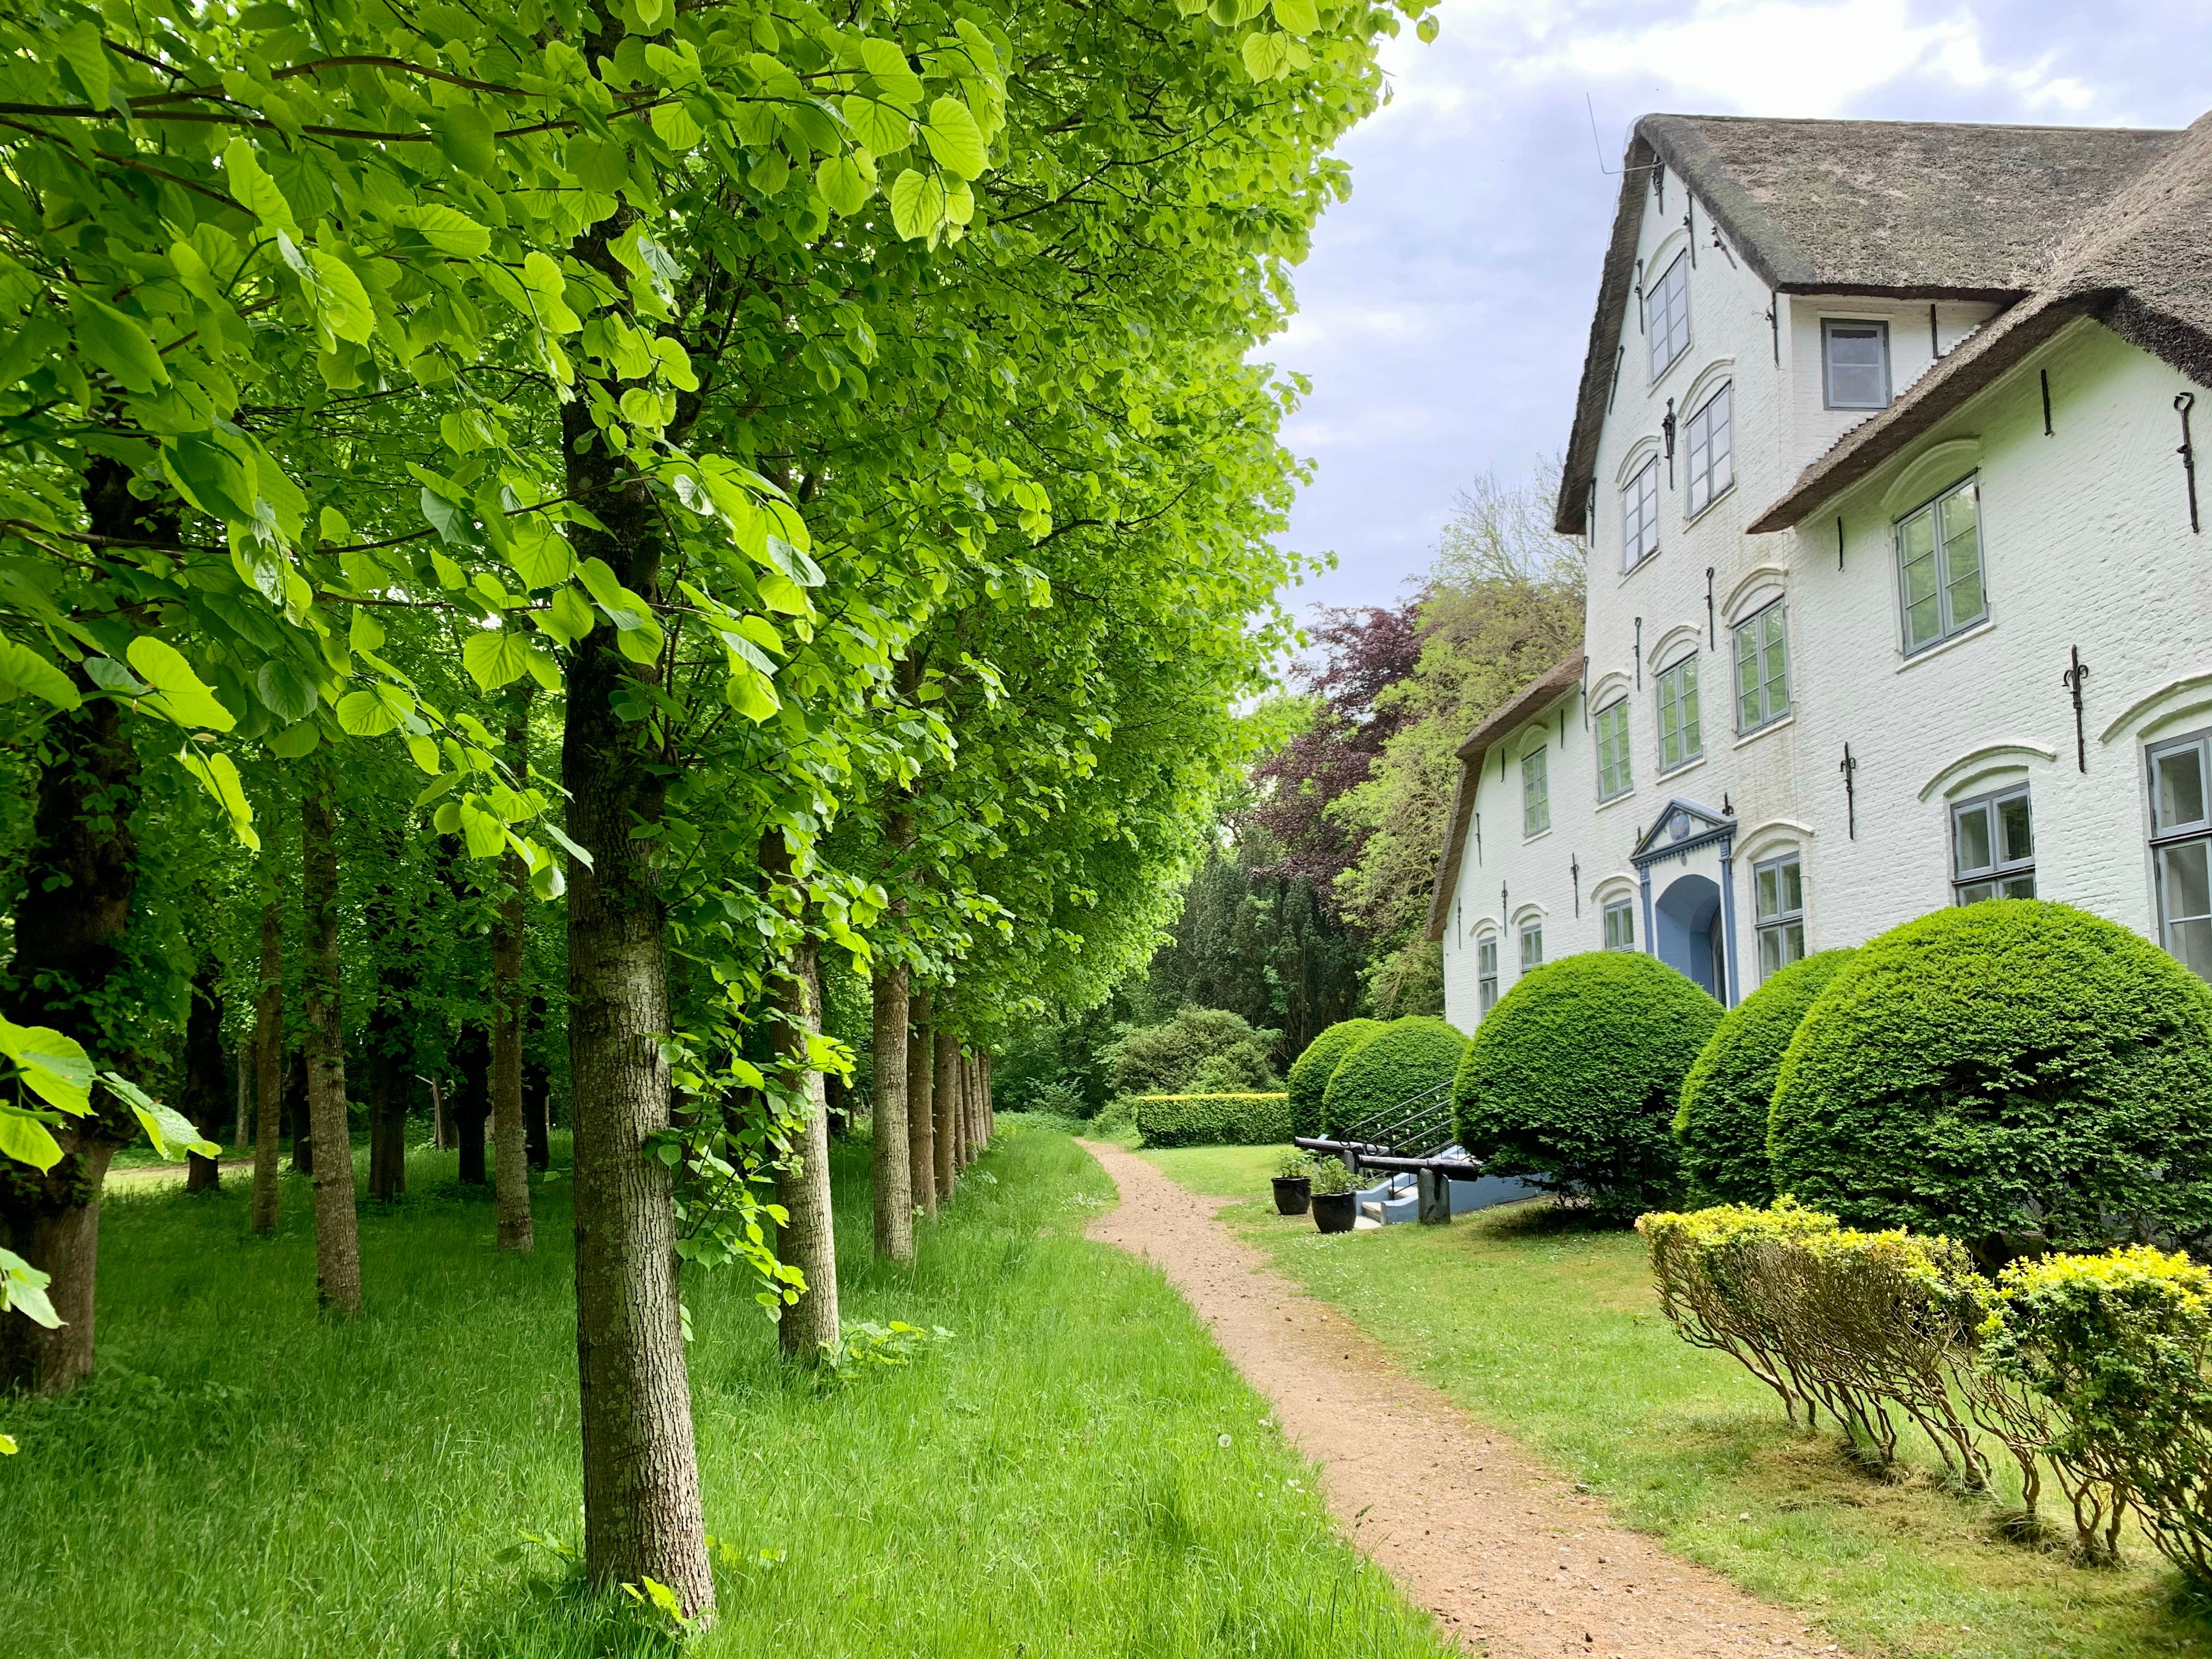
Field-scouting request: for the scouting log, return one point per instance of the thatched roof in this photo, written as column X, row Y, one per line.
column 1899, row 209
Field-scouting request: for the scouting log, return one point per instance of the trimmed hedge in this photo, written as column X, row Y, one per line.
column 1405, row 1058
column 1721, row 1121
column 1213, row 1119
column 1311, row 1070
column 1571, row 1080
column 2019, row 1074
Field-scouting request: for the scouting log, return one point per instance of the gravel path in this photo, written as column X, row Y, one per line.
column 1513, row 1561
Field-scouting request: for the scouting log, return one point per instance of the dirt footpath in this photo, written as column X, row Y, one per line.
column 1511, row 1558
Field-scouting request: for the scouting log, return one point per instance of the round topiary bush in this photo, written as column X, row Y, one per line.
column 1405, row 1058
column 1571, row 1080
column 1311, row 1070
column 2019, row 1074
column 1722, row 1120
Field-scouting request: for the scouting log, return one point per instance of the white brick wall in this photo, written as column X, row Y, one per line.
column 2086, row 543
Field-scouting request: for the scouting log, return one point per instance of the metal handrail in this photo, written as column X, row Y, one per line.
column 1383, row 1126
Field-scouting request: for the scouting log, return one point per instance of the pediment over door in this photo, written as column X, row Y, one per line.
column 1683, row 827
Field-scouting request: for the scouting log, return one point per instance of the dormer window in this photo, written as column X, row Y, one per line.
column 1855, row 364
column 1667, row 315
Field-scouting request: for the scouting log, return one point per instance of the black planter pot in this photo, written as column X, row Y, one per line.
column 1335, row 1212
column 1291, row 1193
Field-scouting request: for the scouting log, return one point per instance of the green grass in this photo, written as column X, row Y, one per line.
column 1222, row 1171
column 1555, row 1335
column 1077, row 1472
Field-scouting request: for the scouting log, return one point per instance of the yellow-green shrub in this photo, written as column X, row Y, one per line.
column 1212, row 1120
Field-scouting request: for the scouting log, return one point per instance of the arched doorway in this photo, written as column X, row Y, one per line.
column 1687, row 933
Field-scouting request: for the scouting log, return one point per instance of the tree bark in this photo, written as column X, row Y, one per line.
column 921, row 1124
column 204, row 1099
column 894, row 1189
column 81, row 874
column 512, row 1163
column 946, row 1101
column 337, row 1240
column 267, row 1051
column 802, row 1182
column 641, row 1509
column 468, row 1105
column 296, row 1113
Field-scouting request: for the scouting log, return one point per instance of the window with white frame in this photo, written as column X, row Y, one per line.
column 1667, row 315
column 1536, row 794
column 1679, row 742
column 1855, row 364
column 1532, row 946
column 2181, row 846
column 1639, row 516
column 1778, row 905
column 1712, row 461
column 1993, row 847
column 1486, row 976
column 1762, row 669
column 1621, row 925
column 1939, row 566
column 1610, row 725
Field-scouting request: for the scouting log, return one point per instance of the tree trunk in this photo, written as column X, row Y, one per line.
column 946, row 1101
column 983, row 1089
column 389, row 1038
column 267, row 1051
column 921, row 1125
column 511, row 1163
column 802, row 1184
column 296, row 1113
column 337, row 1241
column 204, row 1099
column 894, row 1190
column 242, row 1067
column 468, row 1106
column 641, row 1512
column 81, row 875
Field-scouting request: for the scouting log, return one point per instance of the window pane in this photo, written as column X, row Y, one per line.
column 1667, row 307
column 1793, row 942
column 1858, row 376
column 2018, row 838
column 2184, row 883
column 1536, row 794
column 1770, row 951
column 1689, row 678
column 2192, row 942
column 1916, row 553
column 2179, row 796
column 1962, row 556
column 1793, row 886
column 1770, row 892
column 2019, row 886
column 1747, row 682
column 1975, row 892
column 1973, row 832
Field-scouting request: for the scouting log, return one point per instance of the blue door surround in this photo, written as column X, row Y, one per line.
column 1684, row 828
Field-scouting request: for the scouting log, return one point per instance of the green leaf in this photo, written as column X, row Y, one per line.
column 843, row 184
column 23, row 668
column 53, row 1067
column 542, row 277
column 449, row 230
column 423, row 752
column 27, row 1140
column 1298, row 17
column 23, row 1291
column 285, row 688
column 340, row 298
column 296, row 741
column 364, row 715
column 1426, row 29
column 465, row 133
column 886, row 61
column 164, row 1126
column 917, row 204
column 1266, row 56
column 116, row 344
column 254, row 190
column 882, row 129
column 539, row 554
column 568, row 618
column 954, row 138
column 495, row 658
column 211, row 477
column 78, row 46
column 483, row 832
column 219, row 776
column 184, row 697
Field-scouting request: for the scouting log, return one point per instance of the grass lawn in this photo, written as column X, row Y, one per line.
column 1076, row 1471
column 1221, row 1171
column 1555, row 1335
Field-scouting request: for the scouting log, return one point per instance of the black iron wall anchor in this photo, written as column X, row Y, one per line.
column 1774, row 323
column 2184, row 402
column 1575, row 875
column 1935, row 343
column 2046, row 374
column 1723, row 248
column 1840, row 541
column 1850, row 769
column 1639, row 653
column 1666, row 427
column 1690, row 225
column 2072, row 679
column 1712, row 634
column 1477, row 839
column 1619, row 357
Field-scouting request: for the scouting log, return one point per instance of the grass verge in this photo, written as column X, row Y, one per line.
column 1553, row 1334
column 1075, row 1472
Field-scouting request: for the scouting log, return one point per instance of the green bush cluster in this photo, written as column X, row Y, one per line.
column 1255, row 1120
column 2093, row 1366
column 1571, row 1080
column 1722, row 1119
column 1406, row 1058
column 1311, row 1070
column 2019, row 1074
column 1211, row 1050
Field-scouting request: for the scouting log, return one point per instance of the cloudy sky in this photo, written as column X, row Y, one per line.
column 1444, row 308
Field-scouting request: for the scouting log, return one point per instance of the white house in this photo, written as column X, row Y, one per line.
column 1887, row 462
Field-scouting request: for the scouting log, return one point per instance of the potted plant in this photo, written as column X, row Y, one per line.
column 1293, row 1182
column 1335, row 1197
